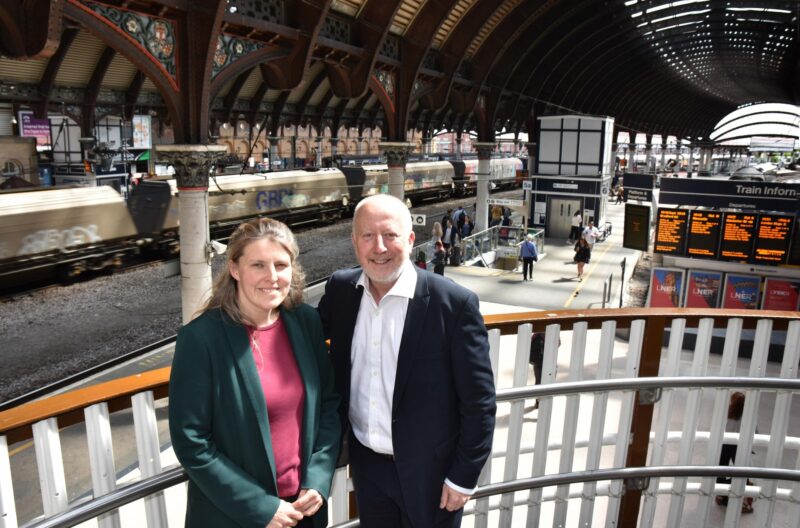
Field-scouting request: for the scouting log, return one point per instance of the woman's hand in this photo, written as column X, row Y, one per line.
column 286, row 516
column 308, row 502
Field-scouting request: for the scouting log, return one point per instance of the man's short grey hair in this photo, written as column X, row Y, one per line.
column 529, row 236
column 387, row 202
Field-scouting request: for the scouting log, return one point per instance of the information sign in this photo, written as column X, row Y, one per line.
column 666, row 285
column 794, row 248
column 671, row 231
column 781, row 294
column 704, row 230
column 502, row 201
column 772, row 239
column 636, row 234
column 741, row 292
column 738, row 235
column 418, row 220
column 703, row 289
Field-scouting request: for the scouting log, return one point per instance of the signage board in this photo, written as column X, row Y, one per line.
column 509, row 203
column 666, row 285
column 671, row 231
column 794, row 248
column 638, row 186
column 772, row 239
column 703, row 289
column 30, row 126
column 738, row 236
column 636, row 234
column 418, row 219
column 781, row 294
column 142, row 132
column 726, row 194
column 704, row 230
column 527, row 185
column 637, row 194
column 741, row 292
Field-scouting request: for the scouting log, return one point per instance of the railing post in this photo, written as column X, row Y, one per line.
column 101, row 458
column 149, row 452
column 642, row 418
column 51, row 466
column 8, row 512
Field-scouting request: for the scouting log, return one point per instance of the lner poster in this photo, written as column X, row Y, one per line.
column 741, row 292
column 666, row 286
column 703, row 289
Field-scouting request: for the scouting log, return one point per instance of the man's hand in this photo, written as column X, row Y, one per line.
column 285, row 517
column 308, row 502
column 451, row 499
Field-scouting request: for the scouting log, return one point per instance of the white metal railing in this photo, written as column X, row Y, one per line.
column 596, row 390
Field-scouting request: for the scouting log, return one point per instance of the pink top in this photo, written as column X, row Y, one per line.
column 285, row 396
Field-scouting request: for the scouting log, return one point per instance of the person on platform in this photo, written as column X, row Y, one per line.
column 590, row 234
column 620, row 195
column 439, row 258
column 728, row 453
column 529, row 255
column 253, row 412
column 411, row 357
column 576, row 227
column 583, row 253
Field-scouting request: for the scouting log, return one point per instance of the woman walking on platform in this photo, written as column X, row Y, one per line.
column 583, row 253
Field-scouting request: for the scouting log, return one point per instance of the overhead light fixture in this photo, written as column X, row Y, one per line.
column 13, row 120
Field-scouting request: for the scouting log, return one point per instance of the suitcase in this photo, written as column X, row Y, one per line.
column 455, row 255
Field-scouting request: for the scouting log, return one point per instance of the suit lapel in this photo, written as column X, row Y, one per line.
column 303, row 355
column 410, row 343
column 350, row 306
column 242, row 353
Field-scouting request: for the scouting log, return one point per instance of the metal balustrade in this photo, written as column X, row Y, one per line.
column 617, row 422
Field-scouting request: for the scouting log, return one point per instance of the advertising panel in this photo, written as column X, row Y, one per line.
column 666, row 285
column 703, row 289
column 741, row 292
column 704, row 232
column 781, row 294
column 637, row 227
column 671, row 231
column 141, row 132
column 30, row 126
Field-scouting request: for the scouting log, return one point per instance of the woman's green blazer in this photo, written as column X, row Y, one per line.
column 219, row 425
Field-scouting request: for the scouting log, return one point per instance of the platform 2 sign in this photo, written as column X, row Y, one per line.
column 704, row 231
column 671, row 231
column 738, row 236
column 638, row 186
column 636, row 234
column 773, row 239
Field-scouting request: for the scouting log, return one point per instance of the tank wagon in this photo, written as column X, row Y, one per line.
column 424, row 180
column 504, row 173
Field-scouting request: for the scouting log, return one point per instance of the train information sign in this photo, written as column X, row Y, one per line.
column 704, row 231
column 637, row 227
column 738, row 235
column 794, row 249
column 772, row 239
column 671, row 231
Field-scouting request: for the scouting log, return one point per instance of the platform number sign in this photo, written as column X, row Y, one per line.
column 417, row 220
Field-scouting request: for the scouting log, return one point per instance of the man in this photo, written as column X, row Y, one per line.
column 575, row 227
column 529, row 255
column 411, row 358
column 590, row 234
column 458, row 217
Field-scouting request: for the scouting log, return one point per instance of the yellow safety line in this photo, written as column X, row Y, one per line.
column 586, row 277
column 21, row 448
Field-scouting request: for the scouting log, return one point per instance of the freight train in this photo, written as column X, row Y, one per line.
column 61, row 233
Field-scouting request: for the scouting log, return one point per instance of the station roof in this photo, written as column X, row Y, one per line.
column 658, row 67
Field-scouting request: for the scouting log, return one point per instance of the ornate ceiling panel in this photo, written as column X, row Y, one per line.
column 22, row 71
column 120, row 73
column 80, row 61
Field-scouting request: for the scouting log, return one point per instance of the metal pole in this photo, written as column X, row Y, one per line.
column 622, row 282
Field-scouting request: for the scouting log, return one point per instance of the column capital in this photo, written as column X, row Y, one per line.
column 396, row 152
column 191, row 162
column 484, row 149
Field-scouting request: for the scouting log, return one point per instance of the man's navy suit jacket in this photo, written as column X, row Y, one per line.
column 443, row 407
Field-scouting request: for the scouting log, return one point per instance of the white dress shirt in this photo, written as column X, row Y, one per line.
column 373, row 362
column 373, row 356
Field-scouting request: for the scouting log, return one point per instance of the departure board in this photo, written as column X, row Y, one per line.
column 772, row 239
column 671, row 231
column 794, row 249
column 637, row 227
column 738, row 235
column 704, row 230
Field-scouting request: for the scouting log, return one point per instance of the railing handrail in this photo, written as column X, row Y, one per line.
column 16, row 423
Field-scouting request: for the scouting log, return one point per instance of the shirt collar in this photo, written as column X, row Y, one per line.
column 404, row 287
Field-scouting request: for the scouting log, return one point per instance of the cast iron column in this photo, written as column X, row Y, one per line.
column 484, row 150
column 273, row 152
column 192, row 164
column 396, row 157
column 319, row 151
column 529, row 197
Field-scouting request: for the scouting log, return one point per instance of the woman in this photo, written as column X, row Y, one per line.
column 436, row 232
column 583, row 253
column 466, row 229
column 253, row 414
